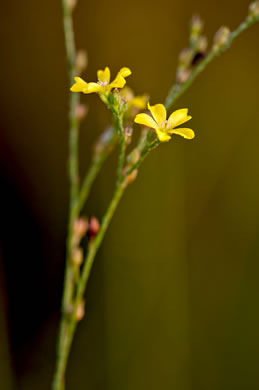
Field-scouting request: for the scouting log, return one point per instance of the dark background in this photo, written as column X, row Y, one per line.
column 172, row 301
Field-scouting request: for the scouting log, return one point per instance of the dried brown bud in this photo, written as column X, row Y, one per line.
column 94, row 227
column 77, row 256
column 80, row 311
column 81, row 111
column 80, row 227
column 81, row 62
column 221, row 38
column 253, row 10
column 71, row 4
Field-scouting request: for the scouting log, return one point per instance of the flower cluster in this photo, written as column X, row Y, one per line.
column 163, row 127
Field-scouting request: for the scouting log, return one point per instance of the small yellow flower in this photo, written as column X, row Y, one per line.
column 103, row 84
column 139, row 102
column 164, row 127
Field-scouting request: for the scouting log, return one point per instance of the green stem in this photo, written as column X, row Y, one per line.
column 58, row 381
column 73, row 149
column 146, row 150
column 117, row 112
column 122, row 149
column 93, row 248
column 106, row 144
column 177, row 90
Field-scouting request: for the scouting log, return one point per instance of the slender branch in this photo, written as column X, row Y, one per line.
column 122, row 147
column 145, row 152
column 58, row 382
column 73, row 145
column 177, row 90
column 93, row 248
column 103, row 149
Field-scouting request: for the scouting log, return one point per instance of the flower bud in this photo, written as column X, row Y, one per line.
column 133, row 157
column 77, row 256
column 185, row 57
column 127, row 93
column 94, row 227
column 253, row 11
column 71, row 4
column 182, row 75
column 196, row 25
column 202, row 44
column 81, row 111
column 132, row 176
column 128, row 134
column 80, row 311
column 80, row 227
column 81, row 62
column 221, row 38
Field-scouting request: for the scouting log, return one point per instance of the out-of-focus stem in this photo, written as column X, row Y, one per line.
column 98, row 159
column 177, row 90
column 58, row 382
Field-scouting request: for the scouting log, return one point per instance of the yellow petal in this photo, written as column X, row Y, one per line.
column 94, row 87
column 127, row 93
column 118, row 82
column 158, row 112
column 139, row 102
column 178, row 117
column 162, row 135
column 124, row 72
column 104, row 75
column 79, row 86
column 146, row 120
column 184, row 132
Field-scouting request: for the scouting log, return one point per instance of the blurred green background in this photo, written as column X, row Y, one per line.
column 173, row 298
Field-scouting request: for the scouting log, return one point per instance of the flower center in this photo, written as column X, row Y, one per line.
column 103, row 83
column 165, row 125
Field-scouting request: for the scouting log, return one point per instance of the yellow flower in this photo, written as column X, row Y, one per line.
column 103, row 84
column 163, row 126
column 139, row 102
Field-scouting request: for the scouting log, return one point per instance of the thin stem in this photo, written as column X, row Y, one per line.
column 122, row 148
column 177, row 90
column 58, row 382
column 73, row 147
column 93, row 248
column 118, row 113
column 146, row 150
column 106, row 143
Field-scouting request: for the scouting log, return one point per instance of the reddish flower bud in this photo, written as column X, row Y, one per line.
column 94, row 227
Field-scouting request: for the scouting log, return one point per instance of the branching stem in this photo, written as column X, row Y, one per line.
column 73, row 294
